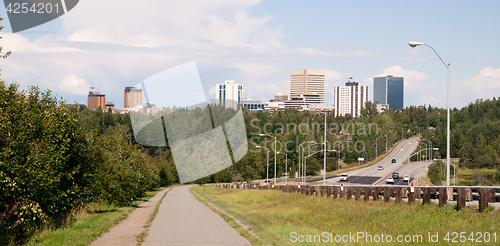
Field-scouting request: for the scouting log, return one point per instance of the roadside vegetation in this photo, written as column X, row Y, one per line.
column 274, row 215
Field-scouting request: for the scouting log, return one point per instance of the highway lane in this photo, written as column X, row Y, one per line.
column 415, row 169
column 371, row 174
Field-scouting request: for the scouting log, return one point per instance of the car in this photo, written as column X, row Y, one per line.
column 393, row 161
column 406, row 178
column 344, row 177
column 395, row 175
column 390, row 180
column 380, row 168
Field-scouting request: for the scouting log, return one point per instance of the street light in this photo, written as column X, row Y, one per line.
column 286, row 163
column 454, row 177
column 300, row 156
column 376, row 146
column 304, row 177
column 324, row 154
column 262, row 134
column 414, row 44
column 267, row 177
column 305, row 160
column 408, row 168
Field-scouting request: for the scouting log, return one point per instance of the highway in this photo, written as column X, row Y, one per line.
column 371, row 175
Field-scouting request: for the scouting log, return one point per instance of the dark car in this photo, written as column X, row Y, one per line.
column 393, row 160
column 395, row 175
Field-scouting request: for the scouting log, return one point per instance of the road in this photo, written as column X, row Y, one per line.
column 183, row 220
column 371, row 174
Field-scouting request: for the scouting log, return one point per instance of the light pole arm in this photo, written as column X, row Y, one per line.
column 437, row 55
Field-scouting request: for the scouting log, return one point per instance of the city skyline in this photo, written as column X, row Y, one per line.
column 257, row 43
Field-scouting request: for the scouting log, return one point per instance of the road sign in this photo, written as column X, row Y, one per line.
column 342, row 187
column 273, row 185
column 322, row 172
column 412, row 189
column 299, row 185
column 426, row 184
column 361, row 159
column 423, row 156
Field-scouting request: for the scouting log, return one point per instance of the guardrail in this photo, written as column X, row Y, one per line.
column 460, row 194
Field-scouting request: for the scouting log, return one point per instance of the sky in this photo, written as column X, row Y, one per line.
column 113, row 44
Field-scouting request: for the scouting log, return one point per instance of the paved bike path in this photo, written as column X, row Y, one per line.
column 183, row 220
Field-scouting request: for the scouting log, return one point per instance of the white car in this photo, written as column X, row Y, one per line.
column 390, row 180
column 343, row 177
column 406, row 178
column 380, row 168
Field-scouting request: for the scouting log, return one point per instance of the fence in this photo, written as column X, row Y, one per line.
column 460, row 194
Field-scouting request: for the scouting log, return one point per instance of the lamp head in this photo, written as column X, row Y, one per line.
column 414, row 44
column 258, row 146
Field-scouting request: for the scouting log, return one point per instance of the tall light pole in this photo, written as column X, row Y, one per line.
column 376, row 146
column 286, row 164
column 300, row 156
column 274, row 153
column 267, row 177
column 386, row 142
column 414, row 44
column 304, row 177
column 324, row 154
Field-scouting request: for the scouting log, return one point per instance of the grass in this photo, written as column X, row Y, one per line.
column 274, row 215
column 87, row 224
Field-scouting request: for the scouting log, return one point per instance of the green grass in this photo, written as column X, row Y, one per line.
column 87, row 224
column 274, row 215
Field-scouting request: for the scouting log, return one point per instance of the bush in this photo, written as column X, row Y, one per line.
column 43, row 161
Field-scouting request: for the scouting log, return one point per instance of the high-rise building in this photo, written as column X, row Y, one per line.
column 350, row 99
column 229, row 94
column 132, row 97
column 308, row 83
column 389, row 90
column 95, row 100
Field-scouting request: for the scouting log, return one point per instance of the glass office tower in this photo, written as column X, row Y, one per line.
column 389, row 90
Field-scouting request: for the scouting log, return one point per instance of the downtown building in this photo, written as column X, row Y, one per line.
column 95, row 99
column 132, row 97
column 389, row 91
column 349, row 99
column 229, row 94
column 306, row 87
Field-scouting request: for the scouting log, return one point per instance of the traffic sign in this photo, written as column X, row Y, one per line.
column 299, row 185
column 412, row 189
column 361, row 159
column 342, row 187
column 423, row 156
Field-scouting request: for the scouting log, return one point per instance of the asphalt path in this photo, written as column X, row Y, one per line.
column 371, row 175
column 183, row 220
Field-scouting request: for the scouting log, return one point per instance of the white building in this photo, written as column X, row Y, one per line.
column 229, row 94
column 350, row 99
column 307, row 83
column 252, row 105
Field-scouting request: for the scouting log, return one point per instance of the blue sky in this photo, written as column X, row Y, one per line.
column 257, row 43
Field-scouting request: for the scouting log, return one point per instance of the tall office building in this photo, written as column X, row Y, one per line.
column 229, row 94
column 95, row 100
column 350, row 99
column 132, row 97
column 389, row 90
column 308, row 83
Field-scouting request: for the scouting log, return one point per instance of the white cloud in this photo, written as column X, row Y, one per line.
column 73, row 85
column 412, row 78
column 485, row 85
column 489, row 72
column 18, row 44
